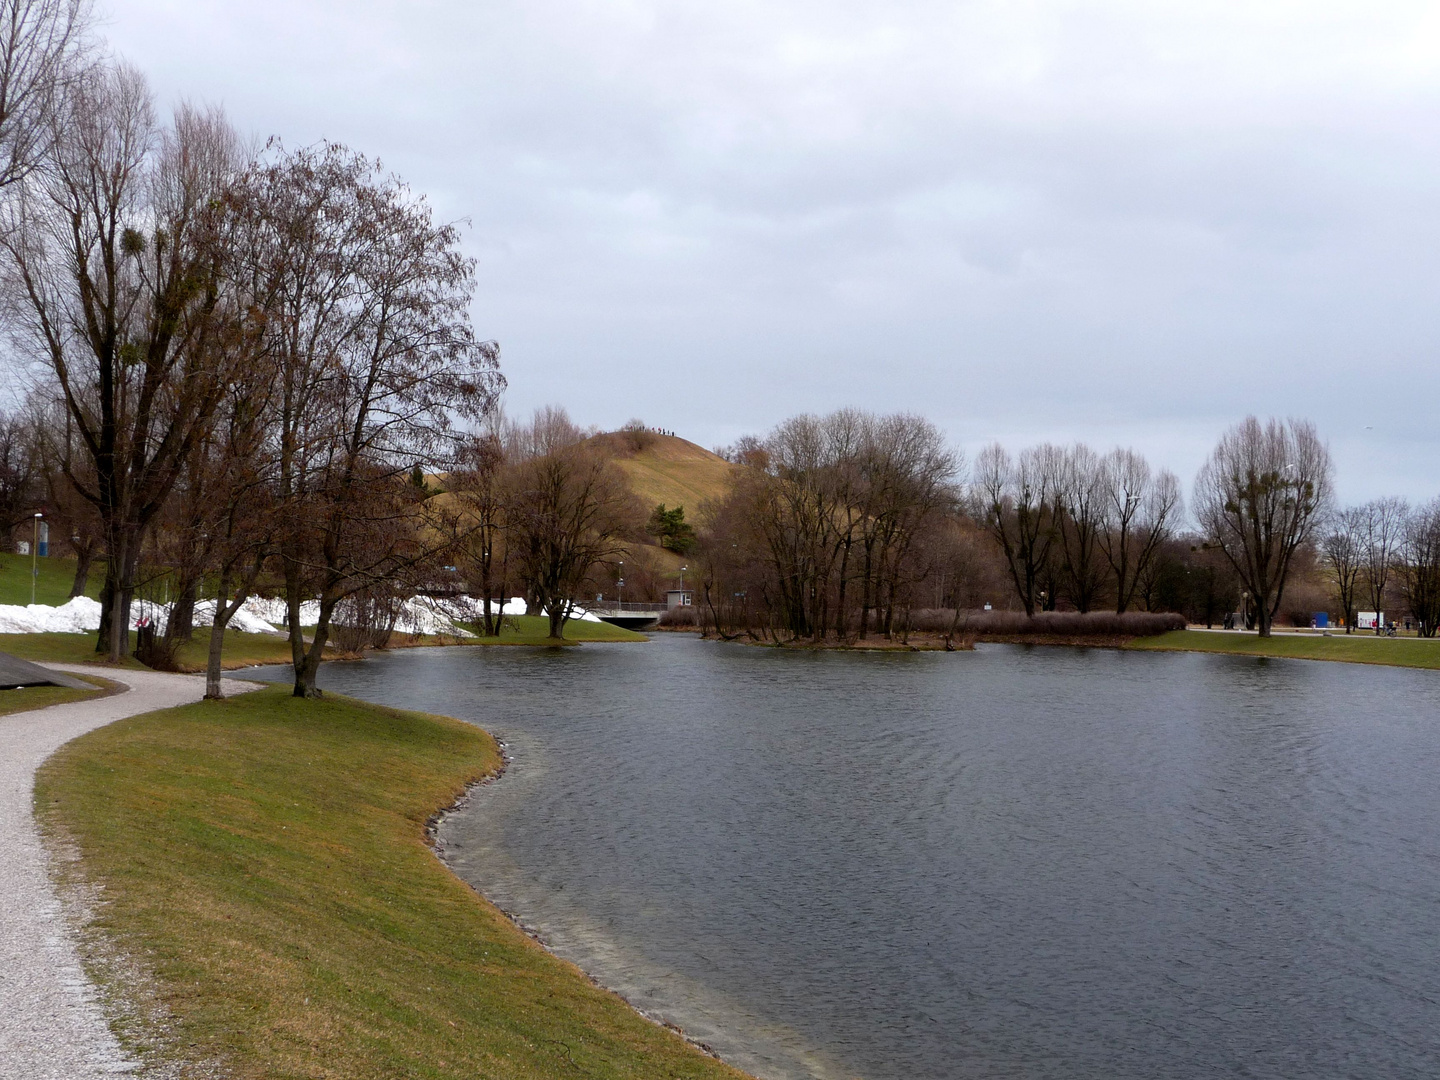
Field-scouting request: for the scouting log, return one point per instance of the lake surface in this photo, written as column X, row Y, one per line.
column 1018, row 862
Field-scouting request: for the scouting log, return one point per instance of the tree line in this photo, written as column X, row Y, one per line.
column 840, row 525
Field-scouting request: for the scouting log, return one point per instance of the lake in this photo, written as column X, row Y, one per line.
column 1022, row 861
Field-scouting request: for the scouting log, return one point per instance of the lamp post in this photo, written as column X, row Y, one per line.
column 34, row 556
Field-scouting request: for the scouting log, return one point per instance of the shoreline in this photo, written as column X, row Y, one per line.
column 437, row 846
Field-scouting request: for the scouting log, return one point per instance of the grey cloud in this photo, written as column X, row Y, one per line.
column 1129, row 222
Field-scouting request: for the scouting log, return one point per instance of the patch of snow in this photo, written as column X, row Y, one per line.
column 265, row 615
column 77, row 616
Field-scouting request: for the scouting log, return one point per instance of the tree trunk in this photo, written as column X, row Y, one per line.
column 217, row 639
column 83, row 557
column 557, row 613
column 308, row 668
column 181, row 624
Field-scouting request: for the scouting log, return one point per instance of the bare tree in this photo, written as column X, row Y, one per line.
column 43, row 48
column 1383, row 526
column 1140, row 512
column 1260, row 498
column 1017, row 503
column 1420, row 566
column 21, row 484
column 1080, row 497
column 116, row 274
column 480, row 489
column 367, row 302
column 1343, row 549
column 570, row 511
column 908, row 484
column 241, row 532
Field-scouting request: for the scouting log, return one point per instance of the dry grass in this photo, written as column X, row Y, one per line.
column 672, row 471
column 264, row 861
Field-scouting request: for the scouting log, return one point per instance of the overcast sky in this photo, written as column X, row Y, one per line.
column 1123, row 222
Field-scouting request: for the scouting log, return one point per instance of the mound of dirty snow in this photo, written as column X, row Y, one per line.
column 78, row 616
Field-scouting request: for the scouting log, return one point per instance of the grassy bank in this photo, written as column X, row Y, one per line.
column 1354, row 648
column 241, row 650
column 40, row 697
column 264, row 858
column 535, row 630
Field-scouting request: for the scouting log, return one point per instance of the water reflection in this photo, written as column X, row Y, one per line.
column 1020, row 862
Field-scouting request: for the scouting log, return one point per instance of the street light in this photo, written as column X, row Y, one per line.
column 34, row 556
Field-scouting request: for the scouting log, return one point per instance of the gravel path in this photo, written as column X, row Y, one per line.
column 51, row 1026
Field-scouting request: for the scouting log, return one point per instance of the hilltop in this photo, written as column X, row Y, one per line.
column 668, row 469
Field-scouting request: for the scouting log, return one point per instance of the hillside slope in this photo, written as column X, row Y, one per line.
column 670, row 470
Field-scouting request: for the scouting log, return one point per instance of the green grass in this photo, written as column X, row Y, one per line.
column 241, row 650
column 535, row 630
column 41, row 697
column 59, row 649
column 52, row 586
column 264, row 859
column 1354, row 648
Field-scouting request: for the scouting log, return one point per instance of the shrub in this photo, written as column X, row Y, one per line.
column 1055, row 623
column 680, row 616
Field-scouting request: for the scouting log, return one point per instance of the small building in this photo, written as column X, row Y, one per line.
column 679, row 598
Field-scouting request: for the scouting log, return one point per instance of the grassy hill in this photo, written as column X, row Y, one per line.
column 670, row 470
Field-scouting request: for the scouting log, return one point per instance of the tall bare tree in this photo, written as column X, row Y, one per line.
column 367, row 300
column 116, row 272
column 569, row 512
column 908, row 480
column 44, row 46
column 480, row 489
column 1383, row 527
column 1016, row 500
column 1259, row 498
column 1141, row 509
column 1080, row 495
column 1420, row 566
column 1343, row 549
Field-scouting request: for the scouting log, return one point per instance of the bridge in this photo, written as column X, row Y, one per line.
column 629, row 616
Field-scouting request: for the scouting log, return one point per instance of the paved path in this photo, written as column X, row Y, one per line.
column 51, row 1027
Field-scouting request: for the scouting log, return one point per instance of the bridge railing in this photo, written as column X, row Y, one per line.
column 640, row 608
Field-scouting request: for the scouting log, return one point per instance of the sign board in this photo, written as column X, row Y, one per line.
column 1369, row 620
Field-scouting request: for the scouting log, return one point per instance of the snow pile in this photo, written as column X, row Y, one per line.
column 252, row 618
column 272, row 610
column 78, row 616
column 262, row 615
column 429, row 615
